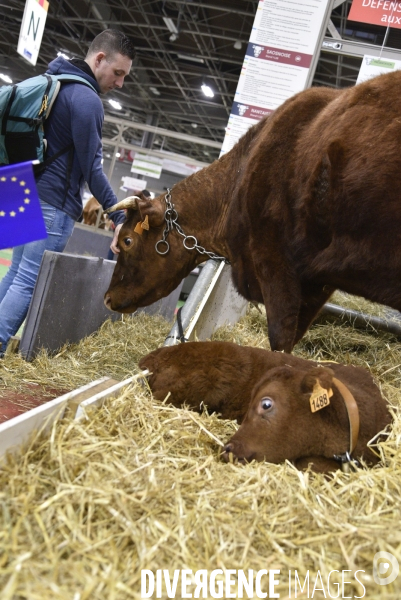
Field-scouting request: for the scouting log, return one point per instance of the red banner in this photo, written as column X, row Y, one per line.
column 377, row 12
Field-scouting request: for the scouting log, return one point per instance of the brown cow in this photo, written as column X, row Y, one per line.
column 306, row 202
column 235, row 380
column 90, row 214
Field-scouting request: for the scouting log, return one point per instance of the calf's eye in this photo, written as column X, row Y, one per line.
column 266, row 403
column 127, row 241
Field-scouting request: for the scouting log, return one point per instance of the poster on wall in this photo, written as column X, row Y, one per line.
column 276, row 66
column 372, row 66
column 144, row 164
column 130, row 184
column 376, row 12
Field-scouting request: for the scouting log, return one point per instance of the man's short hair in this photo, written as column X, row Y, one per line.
column 112, row 41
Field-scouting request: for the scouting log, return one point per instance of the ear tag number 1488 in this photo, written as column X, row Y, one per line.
column 320, row 397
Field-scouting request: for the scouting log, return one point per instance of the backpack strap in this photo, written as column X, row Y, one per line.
column 75, row 79
column 8, row 108
column 48, row 161
column 67, row 79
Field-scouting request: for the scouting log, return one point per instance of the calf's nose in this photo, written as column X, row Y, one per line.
column 107, row 301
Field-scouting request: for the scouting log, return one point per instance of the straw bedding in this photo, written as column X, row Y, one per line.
column 139, row 484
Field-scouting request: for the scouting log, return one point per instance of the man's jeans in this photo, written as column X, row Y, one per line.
column 17, row 286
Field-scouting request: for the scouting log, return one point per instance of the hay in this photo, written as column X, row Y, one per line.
column 113, row 350
column 360, row 304
column 139, row 485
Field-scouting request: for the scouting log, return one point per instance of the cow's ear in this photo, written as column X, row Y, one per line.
column 322, row 375
column 153, row 209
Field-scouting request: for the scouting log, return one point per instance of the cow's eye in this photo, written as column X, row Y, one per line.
column 127, row 241
column 266, row 403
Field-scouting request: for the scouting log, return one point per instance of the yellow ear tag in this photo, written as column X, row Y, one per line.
column 320, row 397
column 139, row 227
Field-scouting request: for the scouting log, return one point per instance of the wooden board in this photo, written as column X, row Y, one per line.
column 15, row 432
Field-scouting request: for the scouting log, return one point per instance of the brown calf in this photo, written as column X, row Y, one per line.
column 280, row 424
column 270, row 392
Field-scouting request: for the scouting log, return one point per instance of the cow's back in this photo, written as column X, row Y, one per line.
column 346, row 177
column 261, row 211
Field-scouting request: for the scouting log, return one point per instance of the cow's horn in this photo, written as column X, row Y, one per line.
column 129, row 202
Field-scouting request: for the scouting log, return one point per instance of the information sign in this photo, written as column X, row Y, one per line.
column 32, row 28
column 283, row 41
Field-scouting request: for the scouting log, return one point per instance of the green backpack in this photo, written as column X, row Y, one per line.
column 24, row 107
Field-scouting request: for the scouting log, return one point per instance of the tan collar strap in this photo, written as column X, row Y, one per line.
column 353, row 413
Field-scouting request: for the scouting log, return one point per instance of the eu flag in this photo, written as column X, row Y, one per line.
column 21, row 219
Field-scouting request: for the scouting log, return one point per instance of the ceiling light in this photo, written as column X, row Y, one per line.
column 115, row 104
column 170, row 24
column 118, row 154
column 173, row 37
column 194, row 125
column 63, row 55
column 238, row 45
column 5, row 78
column 207, row 90
column 154, row 91
column 189, row 57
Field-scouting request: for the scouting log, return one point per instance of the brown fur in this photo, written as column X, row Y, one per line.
column 306, row 202
column 231, row 380
column 90, row 214
column 291, row 431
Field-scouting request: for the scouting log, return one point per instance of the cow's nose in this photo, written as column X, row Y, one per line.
column 228, row 449
column 107, row 301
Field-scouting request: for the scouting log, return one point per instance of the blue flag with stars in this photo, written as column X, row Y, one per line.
column 21, row 219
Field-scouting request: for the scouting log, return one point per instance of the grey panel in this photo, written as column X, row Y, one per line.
column 67, row 302
column 89, row 241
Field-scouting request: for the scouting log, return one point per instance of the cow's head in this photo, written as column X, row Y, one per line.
column 142, row 275
column 280, row 424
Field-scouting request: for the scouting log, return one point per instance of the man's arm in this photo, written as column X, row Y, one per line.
column 87, row 120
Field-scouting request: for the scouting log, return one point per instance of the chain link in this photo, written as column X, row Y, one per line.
column 190, row 242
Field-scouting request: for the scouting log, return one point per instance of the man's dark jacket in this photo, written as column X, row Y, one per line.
column 77, row 117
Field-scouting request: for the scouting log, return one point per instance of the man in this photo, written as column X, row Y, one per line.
column 75, row 120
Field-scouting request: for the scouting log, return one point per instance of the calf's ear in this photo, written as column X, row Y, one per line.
column 153, row 209
column 323, row 375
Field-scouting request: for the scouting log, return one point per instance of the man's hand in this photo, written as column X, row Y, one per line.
column 114, row 244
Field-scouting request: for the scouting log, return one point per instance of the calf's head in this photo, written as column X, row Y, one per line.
column 280, row 424
column 141, row 275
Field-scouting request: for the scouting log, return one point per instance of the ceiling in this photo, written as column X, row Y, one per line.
column 163, row 90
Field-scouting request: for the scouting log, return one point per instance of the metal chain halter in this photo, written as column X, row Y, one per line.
column 190, row 242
